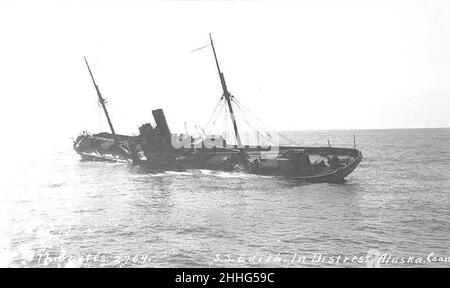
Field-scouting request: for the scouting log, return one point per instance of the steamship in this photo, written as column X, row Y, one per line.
column 157, row 149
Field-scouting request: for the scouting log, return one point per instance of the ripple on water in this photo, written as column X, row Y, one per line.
column 396, row 201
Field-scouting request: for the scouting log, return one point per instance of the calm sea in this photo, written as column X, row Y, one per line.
column 57, row 211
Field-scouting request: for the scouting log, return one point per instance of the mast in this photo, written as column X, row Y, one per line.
column 227, row 95
column 102, row 101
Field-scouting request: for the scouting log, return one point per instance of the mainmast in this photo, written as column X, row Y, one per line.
column 227, row 95
column 102, row 101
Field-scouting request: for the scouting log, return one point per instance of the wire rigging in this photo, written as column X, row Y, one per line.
column 263, row 134
column 263, row 125
column 214, row 112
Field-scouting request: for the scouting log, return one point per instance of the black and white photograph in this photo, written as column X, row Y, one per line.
column 225, row 135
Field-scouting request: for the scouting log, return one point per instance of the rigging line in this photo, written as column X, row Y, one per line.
column 211, row 127
column 258, row 141
column 263, row 123
column 227, row 123
column 228, row 127
column 259, row 136
column 264, row 126
column 218, row 113
column 242, row 118
column 224, row 125
column 267, row 136
column 207, row 45
column 214, row 111
column 246, row 121
column 265, row 142
column 255, row 127
column 238, row 104
column 211, row 123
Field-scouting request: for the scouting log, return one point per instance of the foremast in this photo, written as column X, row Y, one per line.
column 102, row 101
column 226, row 95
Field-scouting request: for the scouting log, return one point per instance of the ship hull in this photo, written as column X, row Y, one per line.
column 96, row 158
column 350, row 159
column 102, row 147
column 270, row 163
column 336, row 176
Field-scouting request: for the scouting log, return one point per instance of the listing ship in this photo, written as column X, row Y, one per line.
column 157, row 149
column 104, row 146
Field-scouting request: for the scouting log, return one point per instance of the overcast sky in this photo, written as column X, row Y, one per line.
column 295, row 64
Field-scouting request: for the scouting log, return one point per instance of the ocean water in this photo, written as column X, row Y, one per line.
column 57, row 211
